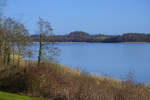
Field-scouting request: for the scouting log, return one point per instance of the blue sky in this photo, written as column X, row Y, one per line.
column 92, row 16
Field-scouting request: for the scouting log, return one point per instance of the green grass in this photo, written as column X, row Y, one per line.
column 9, row 96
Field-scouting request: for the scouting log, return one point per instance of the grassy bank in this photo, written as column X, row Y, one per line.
column 9, row 96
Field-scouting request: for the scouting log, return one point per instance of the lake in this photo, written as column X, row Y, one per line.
column 111, row 59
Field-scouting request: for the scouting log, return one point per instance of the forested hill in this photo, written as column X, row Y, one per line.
column 79, row 36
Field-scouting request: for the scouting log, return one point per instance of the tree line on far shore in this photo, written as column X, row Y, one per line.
column 80, row 36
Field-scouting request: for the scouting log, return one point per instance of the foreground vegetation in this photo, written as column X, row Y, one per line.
column 9, row 96
column 62, row 83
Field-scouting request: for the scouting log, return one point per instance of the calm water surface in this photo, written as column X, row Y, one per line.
column 114, row 60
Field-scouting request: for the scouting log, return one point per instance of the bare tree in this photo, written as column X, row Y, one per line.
column 2, row 4
column 45, row 35
column 21, row 40
column 13, row 39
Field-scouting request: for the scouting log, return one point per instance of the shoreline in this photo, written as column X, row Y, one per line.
column 135, row 42
column 97, row 42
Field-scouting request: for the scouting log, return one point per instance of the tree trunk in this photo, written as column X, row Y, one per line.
column 8, row 57
column 40, row 51
column 19, row 53
column 13, row 58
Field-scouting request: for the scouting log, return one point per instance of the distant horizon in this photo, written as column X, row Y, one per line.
column 109, row 17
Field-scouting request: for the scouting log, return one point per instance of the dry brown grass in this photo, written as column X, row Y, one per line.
column 64, row 83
